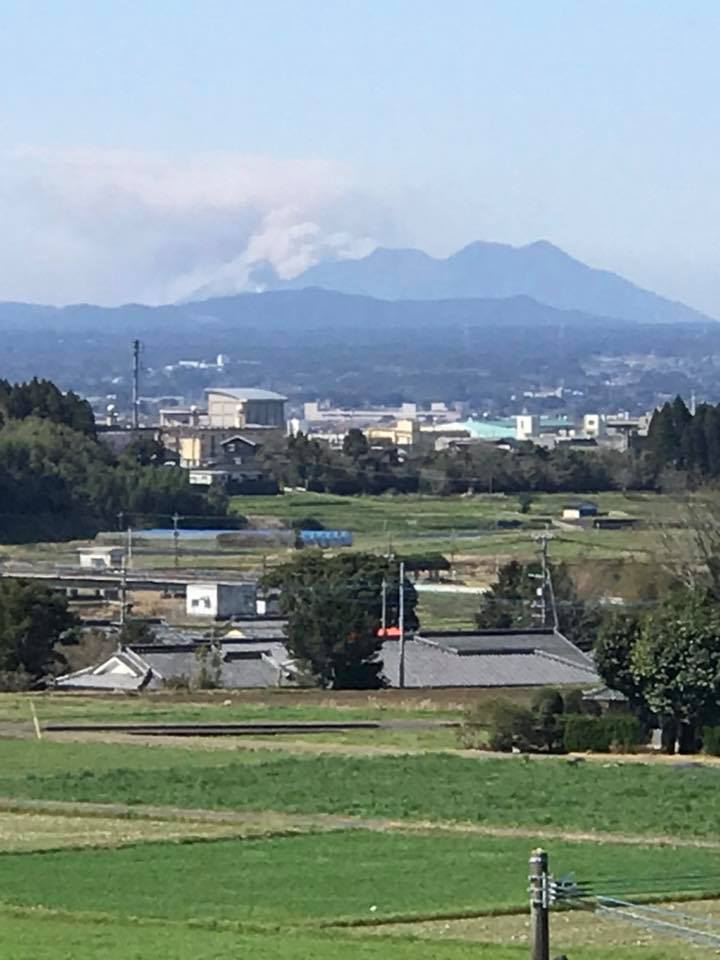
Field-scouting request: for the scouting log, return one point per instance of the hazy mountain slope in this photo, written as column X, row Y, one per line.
column 540, row 271
column 319, row 343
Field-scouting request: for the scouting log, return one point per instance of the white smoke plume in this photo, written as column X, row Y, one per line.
column 109, row 227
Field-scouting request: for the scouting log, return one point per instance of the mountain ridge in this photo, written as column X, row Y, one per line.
column 488, row 270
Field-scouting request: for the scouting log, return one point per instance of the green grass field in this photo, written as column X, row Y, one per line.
column 82, row 882
column 223, row 706
column 466, row 526
column 460, row 527
column 60, row 938
column 633, row 798
column 432, row 514
column 315, row 879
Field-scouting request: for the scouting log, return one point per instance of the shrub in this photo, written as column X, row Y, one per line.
column 711, row 740
column 306, row 523
column 547, row 708
column 574, row 703
column 621, row 732
column 512, row 726
column 15, row 681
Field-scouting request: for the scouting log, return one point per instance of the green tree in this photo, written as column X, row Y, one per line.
column 135, row 631
column 33, row 622
column 41, row 398
column 145, row 451
column 509, row 602
column 355, row 444
column 333, row 608
column 613, row 653
column 675, row 661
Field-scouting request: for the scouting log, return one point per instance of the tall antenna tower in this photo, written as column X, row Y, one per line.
column 136, row 384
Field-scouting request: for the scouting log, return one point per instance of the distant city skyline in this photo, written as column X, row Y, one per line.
column 151, row 148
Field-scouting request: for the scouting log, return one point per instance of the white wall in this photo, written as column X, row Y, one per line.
column 201, row 600
column 220, row 599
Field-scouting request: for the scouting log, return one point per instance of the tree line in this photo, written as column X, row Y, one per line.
column 358, row 468
column 679, row 443
column 662, row 655
column 685, row 441
column 59, row 481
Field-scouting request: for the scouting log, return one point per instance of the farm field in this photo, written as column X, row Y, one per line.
column 233, row 706
column 673, row 800
column 321, row 879
column 462, row 528
column 125, row 850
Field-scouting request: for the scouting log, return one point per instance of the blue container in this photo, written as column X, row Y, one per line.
column 325, row 538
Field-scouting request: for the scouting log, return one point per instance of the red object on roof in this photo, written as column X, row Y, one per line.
column 388, row 632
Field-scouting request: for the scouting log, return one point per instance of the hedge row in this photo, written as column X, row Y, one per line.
column 621, row 732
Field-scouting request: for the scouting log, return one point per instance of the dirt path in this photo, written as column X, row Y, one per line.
column 570, row 930
column 279, row 820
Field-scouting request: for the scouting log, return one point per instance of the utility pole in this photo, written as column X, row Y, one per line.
column 136, row 384
column 539, row 906
column 176, row 538
column 545, row 591
column 129, row 547
column 383, row 618
column 401, row 626
column 123, row 594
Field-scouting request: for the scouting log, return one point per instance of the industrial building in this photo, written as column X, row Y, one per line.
column 221, row 601
column 101, row 558
column 205, row 437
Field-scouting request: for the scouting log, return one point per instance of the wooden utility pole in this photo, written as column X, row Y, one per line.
column 401, row 626
column 539, row 906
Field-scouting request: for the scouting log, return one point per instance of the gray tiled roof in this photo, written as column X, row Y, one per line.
column 135, row 675
column 254, row 664
column 243, row 665
column 508, row 641
column 481, row 659
column 427, row 664
column 605, row 694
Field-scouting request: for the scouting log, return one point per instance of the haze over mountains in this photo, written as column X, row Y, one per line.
column 486, row 325
column 538, row 270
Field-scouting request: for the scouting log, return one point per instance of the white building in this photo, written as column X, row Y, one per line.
column 527, row 426
column 101, row 558
column 238, row 407
column 221, row 601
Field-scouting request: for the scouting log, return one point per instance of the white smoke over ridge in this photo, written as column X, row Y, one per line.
column 109, row 227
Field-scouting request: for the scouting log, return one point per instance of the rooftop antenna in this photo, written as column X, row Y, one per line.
column 135, row 384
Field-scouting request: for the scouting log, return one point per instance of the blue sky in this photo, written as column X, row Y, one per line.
column 149, row 147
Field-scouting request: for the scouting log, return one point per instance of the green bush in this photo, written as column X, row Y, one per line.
column 621, row 732
column 512, row 726
column 547, row 709
column 711, row 741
